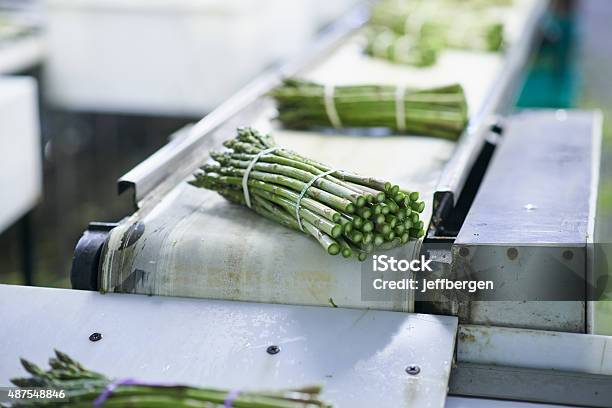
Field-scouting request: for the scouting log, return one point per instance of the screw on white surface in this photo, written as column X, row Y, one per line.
column 413, row 369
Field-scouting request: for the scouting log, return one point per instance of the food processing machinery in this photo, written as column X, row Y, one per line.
column 514, row 201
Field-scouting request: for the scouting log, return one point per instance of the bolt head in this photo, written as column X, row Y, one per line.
column 272, row 350
column 413, row 369
column 464, row 252
column 95, row 336
column 512, row 253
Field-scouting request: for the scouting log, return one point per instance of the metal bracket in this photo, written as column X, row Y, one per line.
column 533, row 365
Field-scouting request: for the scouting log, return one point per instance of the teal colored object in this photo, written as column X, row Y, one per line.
column 552, row 80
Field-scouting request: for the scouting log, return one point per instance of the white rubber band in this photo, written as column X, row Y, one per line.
column 400, row 107
column 298, row 204
column 330, row 106
column 247, row 172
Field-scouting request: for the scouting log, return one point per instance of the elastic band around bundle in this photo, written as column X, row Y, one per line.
column 298, row 204
column 231, row 397
column 110, row 388
column 247, row 172
column 330, row 106
column 400, row 108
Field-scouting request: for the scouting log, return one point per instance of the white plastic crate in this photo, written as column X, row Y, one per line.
column 20, row 158
column 176, row 57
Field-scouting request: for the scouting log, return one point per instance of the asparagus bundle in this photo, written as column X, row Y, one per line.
column 85, row 388
column 402, row 49
column 10, row 30
column 346, row 213
column 440, row 112
column 442, row 24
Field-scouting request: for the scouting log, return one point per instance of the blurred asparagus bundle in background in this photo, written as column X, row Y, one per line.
column 346, row 213
column 84, row 388
column 433, row 25
column 440, row 112
column 404, row 49
column 11, row 30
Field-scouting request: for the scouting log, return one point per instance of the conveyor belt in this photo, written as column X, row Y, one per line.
column 194, row 243
column 189, row 242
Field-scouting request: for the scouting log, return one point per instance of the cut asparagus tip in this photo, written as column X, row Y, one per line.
column 401, row 215
column 362, row 256
column 417, row 233
column 333, row 249
column 394, row 208
column 414, row 196
column 361, row 201
column 337, row 231
column 420, row 207
column 365, row 213
column 379, row 219
column 347, row 253
column 357, row 237
column 383, row 228
column 378, row 240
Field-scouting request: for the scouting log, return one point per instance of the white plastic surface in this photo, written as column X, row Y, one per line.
column 20, row 159
column 358, row 356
